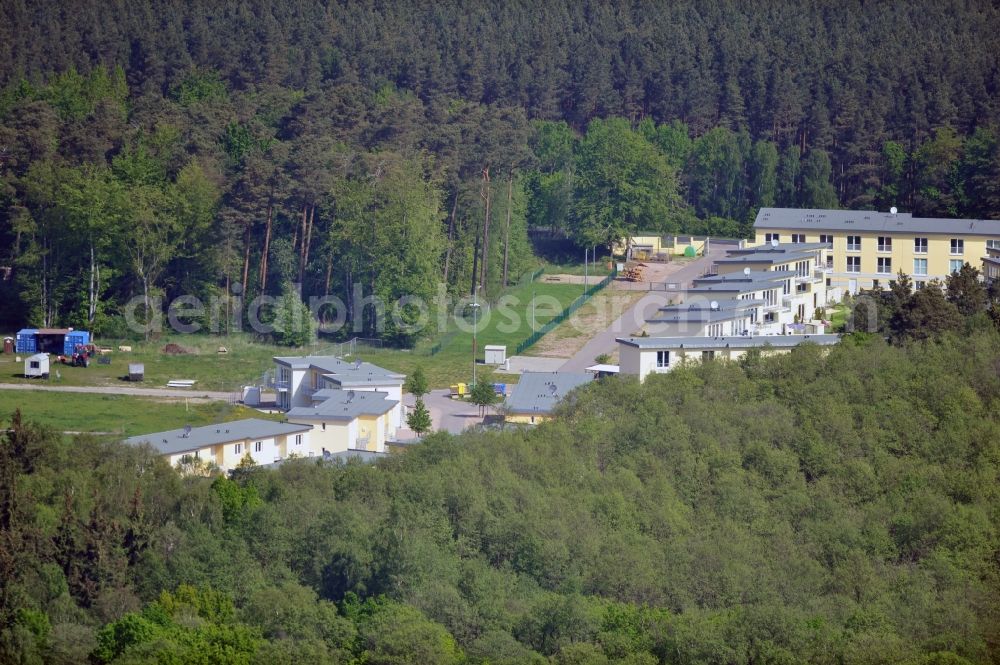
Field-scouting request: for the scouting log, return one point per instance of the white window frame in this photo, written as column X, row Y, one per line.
column 258, row 446
column 957, row 246
column 885, row 243
column 824, row 238
column 768, row 237
column 238, row 448
column 298, row 439
column 884, row 265
column 853, row 243
column 951, row 265
column 798, row 237
column 853, row 264
column 920, row 267
column 920, row 245
column 662, row 359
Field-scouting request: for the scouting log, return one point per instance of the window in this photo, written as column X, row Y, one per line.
column 258, row 446
column 919, row 266
column 802, row 268
column 298, row 439
column 954, row 265
column 802, row 288
column 768, row 237
column 798, row 237
column 662, row 358
column 884, row 244
column 920, row 245
column 324, row 427
column 853, row 264
column 884, row 265
column 957, row 246
column 829, row 282
column 919, row 284
column 707, row 355
column 876, row 285
column 787, row 287
column 853, row 243
column 238, row 448
column 826, row 239
column 993, row 244
column 829, row 261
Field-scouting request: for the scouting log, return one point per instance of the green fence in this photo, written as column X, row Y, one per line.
column 563, row 315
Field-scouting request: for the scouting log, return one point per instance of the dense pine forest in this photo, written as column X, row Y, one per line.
column 369, row 148
column 820, row 508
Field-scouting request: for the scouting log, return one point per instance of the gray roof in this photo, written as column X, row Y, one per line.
column 739, row 342
column 735, row 287
column 768, row 254
column 539, row 392
column 787, row 247
column 345, row 373
column 871, row 221
column 346, row 405
column 754, row 275
column 701, row 310
column 173, row 441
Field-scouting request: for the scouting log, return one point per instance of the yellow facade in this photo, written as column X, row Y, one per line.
column 902, row 254
column 228, row 455
column 646, row 247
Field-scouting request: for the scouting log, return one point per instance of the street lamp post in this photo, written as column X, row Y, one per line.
column 475, row 327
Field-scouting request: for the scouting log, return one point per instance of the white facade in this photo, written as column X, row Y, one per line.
column 642, row 356
column 37, row 366
column 298, row 378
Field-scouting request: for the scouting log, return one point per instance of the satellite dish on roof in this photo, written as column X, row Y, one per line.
column 714, row 304
column 746, row 271
column 774, row 242
column 187, row 431
column 892, row 210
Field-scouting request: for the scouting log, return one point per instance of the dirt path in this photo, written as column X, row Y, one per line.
column 635, row 317
column 194, row 393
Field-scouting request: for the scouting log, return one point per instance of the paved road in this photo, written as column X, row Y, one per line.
column 448, row 415
column 633, row 318
column 194, row 393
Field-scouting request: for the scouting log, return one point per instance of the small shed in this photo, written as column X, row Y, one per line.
column 496, row 354
column 8, row 345
column 136, row 371
column 37, row 366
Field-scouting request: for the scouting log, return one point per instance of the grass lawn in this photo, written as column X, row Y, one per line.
column 242, row 365
column 508, row 323
column 838, row 317
column 123, row 415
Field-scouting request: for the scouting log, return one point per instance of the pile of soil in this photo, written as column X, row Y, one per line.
column 175, row 349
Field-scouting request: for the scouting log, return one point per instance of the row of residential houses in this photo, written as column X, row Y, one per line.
column 334, row 408
column 769, row 295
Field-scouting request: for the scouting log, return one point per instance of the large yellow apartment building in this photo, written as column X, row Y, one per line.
column 869, row 248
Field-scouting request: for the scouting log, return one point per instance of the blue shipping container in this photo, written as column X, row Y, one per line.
column 26, row 342
column 73, row 338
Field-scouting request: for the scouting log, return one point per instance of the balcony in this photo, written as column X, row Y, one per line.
column 361, row 443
